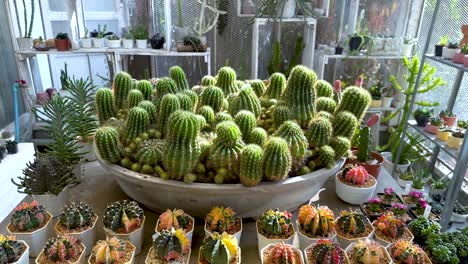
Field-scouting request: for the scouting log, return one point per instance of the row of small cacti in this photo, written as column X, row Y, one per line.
column 227, row 131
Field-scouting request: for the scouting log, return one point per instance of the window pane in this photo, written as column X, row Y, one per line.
column 99, row 6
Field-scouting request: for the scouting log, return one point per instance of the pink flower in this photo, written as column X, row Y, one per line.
column 398, row 206
column 337, row 86
column 389, row 191
column 423, row 203
column 415, row 194
column 359, row 81
column 374, row 201
column 373, row 120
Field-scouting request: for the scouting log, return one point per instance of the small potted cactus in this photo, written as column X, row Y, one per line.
column 433, row 126
column 325, row 251
column 367, row 252
column 404, row 251
column 389, row 228
column 420, row 207
column 176, row 219
column 450, row 119
column 13, row 251
column 389, row 196
column 112, row 250
column 274, row 226
column 354, row 185
column 281, row 253
column 220, row 249
column 125, row 220
column 351, row 226
column 62, row 249
column 373, row 208
column 401, row 211
column 31, row 223
column 223, row 219
column 443, row 133
column 450, row 50
column 455, row 140
column 78, row 220
column 170, row 246
column 315, row 223
column 423, row 115
column 12, row 146
column 412, row 198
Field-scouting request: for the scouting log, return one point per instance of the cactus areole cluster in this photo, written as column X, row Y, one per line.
column 226, row 130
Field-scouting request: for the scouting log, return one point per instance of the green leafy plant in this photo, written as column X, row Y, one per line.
column 100, row 33
column 64, row 78
column 61, row 36
column 462, row 123
column 421, row 228
column 407, row 176
column 464, row 49
column 443, row 41
column 376, row 92
column 28, row 28
column 447, row 113
column 440, row 184
column 139, row 32
column 437, row 121
column 452, row 45
column 113, row 37
column 419, row 178
column 192, row 41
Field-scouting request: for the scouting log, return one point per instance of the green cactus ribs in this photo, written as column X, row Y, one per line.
column 146, row 88
column 122, row 85
column 251, row 170
column 277, row 159
column 212, row 96
column 105, row 105
column 77, row 216
column 106, row 140
column 123, row 216
column 355, row 100
column 178, row 75
column 227, row 81
column 277, row 86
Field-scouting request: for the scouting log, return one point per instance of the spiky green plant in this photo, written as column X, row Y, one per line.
column 245, row 100
column 319, row 132
column 193, row 97
column 219, row 249
column 246, row 122
column 107, row 143
column 169, row 104
column 208, row 80
column 258, row 136
column 325, row 104
column 151, row 110
column 251, row 166
column 223, row 116
column 28, row 217
column 222, row 219
column 63, row 249
column 105, row 105
column 277, row 86
column 258, row 87
column 294, row 136
column 137, row 124
column 212, row 96
column 326, row 156
column 323, row 89
column 226, row 80
column 111, row 250
column 280, row 115
column 352, row 223
column 208, row 113
column 134, row 98
column 11, row 249
column 163, row 86
column 185, row 102
column 123, row 216
column 146, row 88
column 76, row 216
column 178, row 75
column 326, row 252
column 122, row 85
column 355, row 100
column 344, row 124
column 326, row 115
column 150, row 152
column 341, row 146
column 276, row 159
column 172, row 245
column 275, row 224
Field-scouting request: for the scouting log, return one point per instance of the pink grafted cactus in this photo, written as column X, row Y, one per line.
column 357, row 175
column 373, row 120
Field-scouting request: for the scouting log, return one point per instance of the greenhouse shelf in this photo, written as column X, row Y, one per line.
column 450, row 63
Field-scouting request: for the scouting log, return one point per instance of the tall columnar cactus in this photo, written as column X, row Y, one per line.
column 176, row 219
column 258, row 87
column 193, row 96
column 275, row 224
column 63, row 249
column 107, row 140
column 246, row 122
column 326, row 252
column 280, row 253
column 105, row 105
column 299, row 95
column 146, row 88
column 344, row 124
column 137, row 123
column 226, row 80
column 323, row 89
column 76, row 216
column 212, row 96
column 219, row 249
column 352, row 223
column 150, row 152
column 341, row 146
column 163, row 86
column 294, row 136
column 280, row 115
column 223, row 116
column 245, row 100
column 316, row 221
column 277, row 86
column 28, row 217
column 364, row 147
column 122, row 85
column 169, row 104
column 276, row 159
column 111, row 250
column 172, row 245
column 151, row 109
column 123, row 216
column 10, row 249
column 223, row 219
column 258, row 136
column 326, row 156
column 134, row 98
column 178, row 75
column 185, row 102
column 325, row 104
column 319, row 132
column 251, row 166
column 355, row 100
column 208, row 80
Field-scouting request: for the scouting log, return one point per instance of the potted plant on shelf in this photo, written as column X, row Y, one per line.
column 462, row 124
column 444, row 133
column 387, row 98
column 404, row 251
column 367, row 251
column 352, row 226
column 389, row 228
column 420, row 207
column 455, row 140
column 274, row 227
column 459, row 57
column 207, row 19
column 220, row 249
column 376, row 93
column 460, row 212
column 13, row 251
column 127, row 39
column 98, row 40
column 389, row 197
column 12, row 146
column 439, row 47
column 420, row 178
column 157, row 41
column 450, row 50
column 62, row 42
column 223, row 219
column 444, row 248
column 407, row 48
column 449, row 117
column 373, row 208
column 26, row 42
column 405, row 178
column 78, row 220
column 439, row 186
column 176, row 219
column 412, row 197
column 422, row 228
column 464, row 51
column 433, row 126
column 315, row 223
column 140, row 33
column 281, row 253
column 354, row 185
column 401, row 211
column 191, row 44
column 423, row 115
column 112, row 250
column 62, row 249
column 40, row 45
column 31, row 223
column 86, row 42
column 170, row 246
column 125, row 220
column 113, row 41
column 325, row 251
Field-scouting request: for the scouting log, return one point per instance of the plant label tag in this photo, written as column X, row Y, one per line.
column 407, row 188
column 427, row 211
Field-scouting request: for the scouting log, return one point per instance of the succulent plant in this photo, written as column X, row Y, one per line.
column 390, row 226
column 168, row 105
column 146, row 88
column 185, row 102
column 223, row 219
column 344, row 124
column 316, row 221
column 105, row 105
column 280, row 253
column 352, row 223
column 176, row 219
column 356, row 175
column 134, row 98
column 323, row 89
column 10, row 249
column 123, row 216
column 150, row 152
column 212, row 96
column 163, row 86
column 326, row 252
column 111, row 250
column 251, row 170
column 28, row 217
column 280, row 115
column 258, row 87
column 341, row 146
column 324, row 114
column 226, row 80
column 208, row 80
column 207, row 112
column 171, row 245
column 258, row 136
column 245, row 100
column 325, row 104
column 106, row 140
column 193, row 96
column 319, row 132
column 239, row 84
column 294, row 136
column 367, row 252
column 326, row 156
column 178, row 75
column 355, row 100
column 219, row 249
column 277, row 86
column 406, row 252
column 76, row 216
column 275, row 224
column 151, row 110
column 223, row 116
column 246, row 122
column 277, row 159
column 63, row 249
column 137, row 124
column 122, row 86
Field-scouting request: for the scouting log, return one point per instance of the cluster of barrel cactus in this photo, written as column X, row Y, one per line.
column 352, row 223
column 171, row 245
column 367, row 252
column 219, row 249
column 404, row 251
column 226, row 130
column 390, row 226
column 63, row 249
column 123, row 216
column 280, row 253
column 316, row 221
column 76, row 216
column 223, row 219
column 176, row 219
column 111, row 250
column 325, row 251
column 28, row 217
column 10, row 249
column 275, row 224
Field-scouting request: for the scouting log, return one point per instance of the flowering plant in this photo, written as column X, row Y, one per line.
column 421, row 206
column 374, row 205
column 414, row 196
column 398, row 209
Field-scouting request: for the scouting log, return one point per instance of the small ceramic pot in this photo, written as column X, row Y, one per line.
column 98, row 43
column 438, row 50
column 338, row 50
column 141, row 43
column 459, row 218
column 354, row 195
column 449, row 53
column 305, row 241
column 264, row 241
column 62, row 44
column 131, row 261
column 25, row 43
column 450, row 120
column 24, row 259
column 53, row 203
column 135, row 237
column 345, row 242
column 443, row 135
column 127, row 43
column 87, row 237
column 387, row 256
column 355, row 43
column 113, row 44
column 376, row 103
column 387, row 101
column 459, row 58
column 236, row 235
column 454, row 142
column 157, row 41
column 81, row 259
column 432, row 129
column 269, row 246
column 403, row 183
column 372, row 169
column 86, row 43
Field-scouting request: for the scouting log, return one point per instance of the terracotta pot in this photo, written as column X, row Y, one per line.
column 432, row 129
column 450, row 121
column 466, row 61
column 62, row 44
column 372, row 169
column 458, row 58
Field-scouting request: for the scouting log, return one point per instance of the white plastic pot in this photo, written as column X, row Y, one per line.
column 135, row 237
column 148, row 260
column 412, row 189
column 345, row 242
column 403, row 183
column 113, row 44
column 267, row 247
column 305, row 241
column 127, row 43
column 239, row 255
column 131, row 261
column 87, row 237
column 24, row 259
column 188, row 234
column 346, row 260
column 236, row 235
column 98, row 43
column 24, row 43
column 387, row 101
column 141, row 43
column 354, row 195
column 36, row 239
column 86, row 43
column 389, row 259
column 449, row 53
column 376, row 103
column 264, row 241
column 407, row 50
column 88, row 149
column 53, row 204
column 459, row 218
column 81, row 259
column 289, row 9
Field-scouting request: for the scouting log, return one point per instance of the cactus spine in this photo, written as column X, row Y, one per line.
column 227, row 81
column 163, row 86
column 280, row 253
column 326, row 156
column 122, row 85
column 323, row 89
column 105, row 105
column 352, row 223
column 251, row 170
column 341, row 146
column 169, row 104
column 355, row 100
column 150, row 152
column 275, row 224
column 28, row 217
column 344, row 124
column 212, row 96
column 178, row 75
column 294, row 136
column 208, row 113
column 223, row 116
column 208, row 80
column 316, row 221
column 276, row 159
column 171, row 245
column 185, row 102
column 219, row 249
column 280, row 115
column 258, row 136
column 193, row 97
column 137, row 123
column 246, row 122
column 245, row 100
column 111, row 250
column 320, row 132
column 134, row 98
column 10, row 250
column 151, row 110
column 106, row 140
column 277, row 86
column 223, row 219
column 325, row 104
column 123, row 216
column 326, row 252
column 76, row 215
column 63, row 249
column 145, row 87
column 258, row 87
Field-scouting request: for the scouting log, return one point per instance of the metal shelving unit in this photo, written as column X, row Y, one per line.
column 462, row 156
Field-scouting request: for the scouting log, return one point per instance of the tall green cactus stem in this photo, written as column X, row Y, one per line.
column 105, row 105
column 208, row 80
column 134, row 98
column 341, row 146
column 294, row 136
column 137, row 123
column 344, row 124
column 319, row 132
column 258, row 136
column 355, row 100
column 251, row 170
column 145, row 87
column 151, row 110
column 212, row 96
column 277, row 86
column 280, row 115
column 182, row 148
column 208, row 113
column 76, row 215
column 169, row 104
column 122, row 86
column 364, row 147
column 276, row 159
column 226, row 80
column 150, row 152
column 325, row 104
column 258, row 87
column 326, row 156
column 163, row 86
column 107, row 143
column 178, row 75
column 299, row 95
column 245, row 100
column 223, row 116
column 193, row 96
column 246, row 122
column 202, row 124
column 323, row 89
column 185, row 102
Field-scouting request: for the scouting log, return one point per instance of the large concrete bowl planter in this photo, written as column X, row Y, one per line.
column 35, row 239
column 80, row 260
column 188, row 234
column 305, row 241
column 354, row 195
column 24, row 258
column 265, row 241
column 299, row 258
column 135, row 237
column 53, row 203
column 87, row 237
column 150, row 257
column 198, row 198
column 237, row 235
